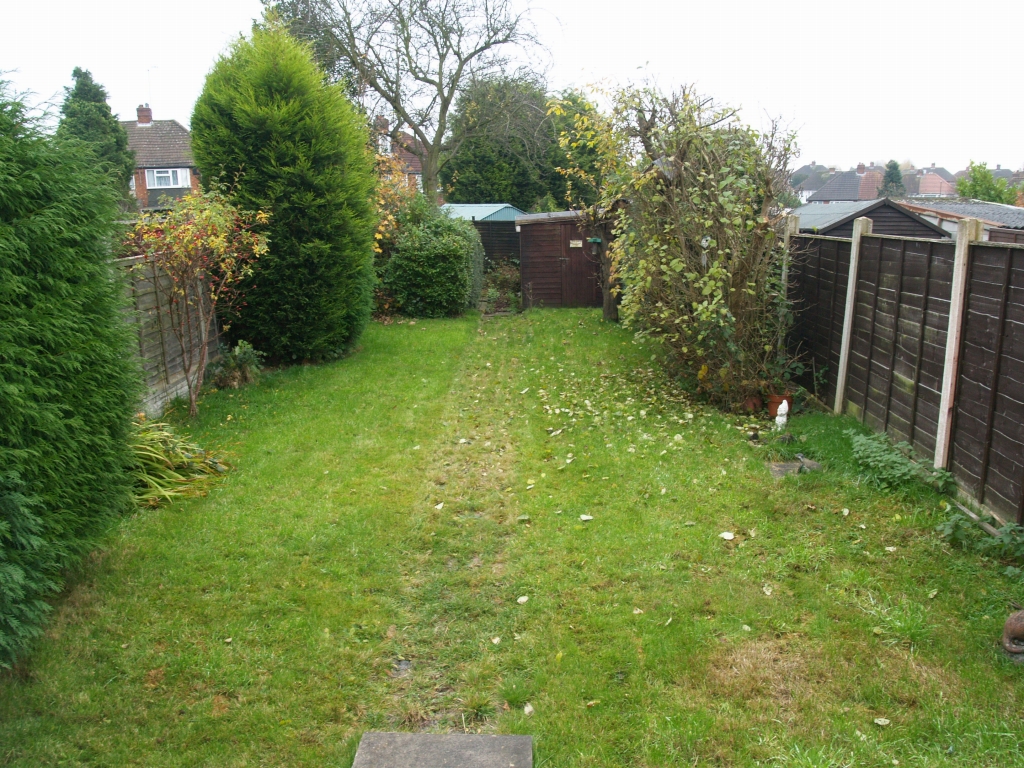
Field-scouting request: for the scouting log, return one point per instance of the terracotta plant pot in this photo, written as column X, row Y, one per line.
column 774, row 401
column 753, row 404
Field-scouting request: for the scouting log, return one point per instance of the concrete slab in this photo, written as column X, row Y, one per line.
column 443, row 750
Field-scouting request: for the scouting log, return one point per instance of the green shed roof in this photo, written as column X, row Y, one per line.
column 482, row 211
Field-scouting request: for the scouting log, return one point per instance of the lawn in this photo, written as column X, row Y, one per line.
column 364, row 567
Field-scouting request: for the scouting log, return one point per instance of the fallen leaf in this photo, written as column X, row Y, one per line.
column 846, row 512
column 227, row 640
column 525, row 391
column 746, row 628
column 522, row 600
column 877, row 630
column 881, row 721
column 593, row 703
column 523, row 518
column 767, row 589
column 890, row 549
column 727, row 535
column 637, row 611
column 585, row 518
column 439, row 506
column 932, row 594
column 495, row 640
column 669, row 621
column 528, row 709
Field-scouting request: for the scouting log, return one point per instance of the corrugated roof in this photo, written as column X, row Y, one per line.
column 483, row 211
column 160, row 144
column 1004, row 215
column 820, row 217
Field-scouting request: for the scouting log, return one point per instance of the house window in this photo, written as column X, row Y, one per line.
column 167, row 178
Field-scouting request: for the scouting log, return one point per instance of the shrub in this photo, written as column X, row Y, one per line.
column 693, row 196
column 502, row 287
column 69, row 380
column 436, row 266
column 202, row 252
column 294, row 146
column 237, row 366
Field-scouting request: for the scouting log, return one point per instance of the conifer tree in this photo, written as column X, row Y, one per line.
column 291, row 144
column 85, row 115
column 892, row 182
column 69, row 381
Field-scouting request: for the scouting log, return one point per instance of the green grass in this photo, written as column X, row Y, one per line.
column 352, row 602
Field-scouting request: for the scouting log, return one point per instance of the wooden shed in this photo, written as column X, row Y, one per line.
column 558, row 267
column 887, row 218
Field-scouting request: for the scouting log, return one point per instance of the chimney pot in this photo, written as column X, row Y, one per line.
column 144, row 114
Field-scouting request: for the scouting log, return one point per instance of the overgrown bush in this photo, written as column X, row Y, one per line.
column 692, row 194
column 436, row 265
column 238, row 365
column 285, row 141
column 69, row 380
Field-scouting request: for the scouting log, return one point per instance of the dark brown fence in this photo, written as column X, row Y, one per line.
column 898, row 344
column 898, row 358
column 159, row 350
column 818, row 274
column 500, row 241
column 1006, row 235
column 988, row 424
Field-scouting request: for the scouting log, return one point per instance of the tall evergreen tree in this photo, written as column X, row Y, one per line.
column 85, row 115
column 293, row 145
column 68, row 377
column 892, row 182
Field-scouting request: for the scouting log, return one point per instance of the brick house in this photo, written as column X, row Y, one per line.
column 164, row 166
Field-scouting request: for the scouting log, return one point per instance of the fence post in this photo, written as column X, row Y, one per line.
column 792, row 230
column 966, row 231
column 861, row 227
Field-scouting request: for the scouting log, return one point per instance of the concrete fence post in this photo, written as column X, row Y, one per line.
column 861, row 227
column 967, row 231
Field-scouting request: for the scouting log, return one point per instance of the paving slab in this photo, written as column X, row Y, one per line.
column 443, row 750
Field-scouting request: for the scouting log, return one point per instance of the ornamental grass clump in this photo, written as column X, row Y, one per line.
column 692, row 197
column 69, row 380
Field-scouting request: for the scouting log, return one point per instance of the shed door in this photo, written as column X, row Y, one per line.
column 580, row 270
column 541, row 264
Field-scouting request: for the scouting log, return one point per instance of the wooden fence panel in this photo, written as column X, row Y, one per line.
column 1006, row 235
column 987, row 448
column 500, row 241
column 899, row 337
column 159, row 350
column 818, row 273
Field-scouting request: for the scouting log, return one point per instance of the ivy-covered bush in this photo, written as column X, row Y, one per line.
column 68, row 376
column 435, row 268
column 286, row 142
column 694, row 198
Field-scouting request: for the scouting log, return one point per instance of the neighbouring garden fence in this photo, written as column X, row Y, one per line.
column 926, row 344
column 159, row 350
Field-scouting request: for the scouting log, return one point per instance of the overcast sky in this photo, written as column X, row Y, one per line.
column 859, row 81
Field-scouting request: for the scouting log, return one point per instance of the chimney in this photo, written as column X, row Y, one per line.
column 145, row 114
column 998, row 167
column 860, row 169
column 933, row 165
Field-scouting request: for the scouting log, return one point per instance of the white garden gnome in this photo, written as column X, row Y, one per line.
column 783, row 416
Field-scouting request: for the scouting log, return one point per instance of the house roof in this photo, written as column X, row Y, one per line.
column 843, row 186
column 160, row 144
column 540, row 218
column 816, row 217
column 1009, row 216
column 483, row 211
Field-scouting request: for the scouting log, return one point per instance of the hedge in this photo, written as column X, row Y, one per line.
column 68, row 375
